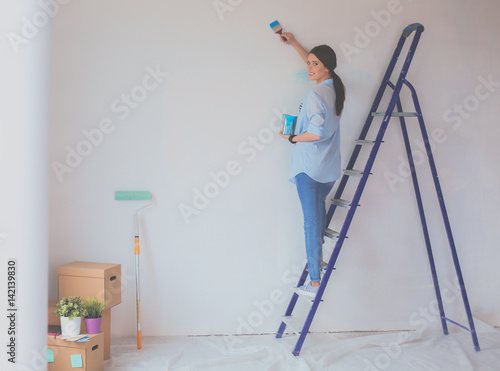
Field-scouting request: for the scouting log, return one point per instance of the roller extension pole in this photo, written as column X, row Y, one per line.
column 138, row 196
column 137, row 252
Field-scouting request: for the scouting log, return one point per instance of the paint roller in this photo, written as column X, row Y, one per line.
column 276, row 27
column 136, row 196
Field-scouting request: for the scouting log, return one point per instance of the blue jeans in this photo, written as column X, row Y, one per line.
column 312, row 195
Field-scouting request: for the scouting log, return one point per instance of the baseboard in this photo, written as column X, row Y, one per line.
column 311, row 332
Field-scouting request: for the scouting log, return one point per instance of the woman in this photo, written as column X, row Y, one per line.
column 315, row 163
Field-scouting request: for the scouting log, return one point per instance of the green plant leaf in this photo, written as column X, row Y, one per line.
column 94, row 307
column 71, row 307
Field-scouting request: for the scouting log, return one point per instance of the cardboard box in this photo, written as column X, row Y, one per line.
column 106, row 330
column 87, row 279
column 65, row 355
column 53, row 319
column 105, row 326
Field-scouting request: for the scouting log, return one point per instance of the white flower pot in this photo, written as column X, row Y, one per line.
column 70, row 327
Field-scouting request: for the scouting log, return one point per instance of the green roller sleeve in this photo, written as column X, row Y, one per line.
column 132, row 195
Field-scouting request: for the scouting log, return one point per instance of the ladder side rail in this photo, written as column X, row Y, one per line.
column 380, row 94
column 361, row 185
column 423, row 220
column 383, row 128
column 446, row 220
column 368, row 167
column 347, row 222
column 341, row 238
column 331, row 211
column 321, row 290
column 292, row 303
column 402, row 77
column 368, row 121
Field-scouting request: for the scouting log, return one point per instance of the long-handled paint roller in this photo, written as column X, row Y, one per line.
column 129, row 196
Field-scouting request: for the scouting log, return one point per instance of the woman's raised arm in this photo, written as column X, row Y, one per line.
column 290, row 39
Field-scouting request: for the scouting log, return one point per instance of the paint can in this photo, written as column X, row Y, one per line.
column 288, row 123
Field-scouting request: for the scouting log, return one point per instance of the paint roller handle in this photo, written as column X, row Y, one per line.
column 412, row 27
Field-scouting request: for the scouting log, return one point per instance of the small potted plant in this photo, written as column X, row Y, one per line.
column 71, row 310
column 93, row 317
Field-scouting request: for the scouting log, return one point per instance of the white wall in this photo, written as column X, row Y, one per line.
column 229, row 79
column 24, row 54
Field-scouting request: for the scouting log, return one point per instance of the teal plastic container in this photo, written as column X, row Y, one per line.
column 288, row 123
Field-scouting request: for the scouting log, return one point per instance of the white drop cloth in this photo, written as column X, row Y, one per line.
column 402, row 350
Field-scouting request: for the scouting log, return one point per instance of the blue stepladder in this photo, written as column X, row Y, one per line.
column 394, row 109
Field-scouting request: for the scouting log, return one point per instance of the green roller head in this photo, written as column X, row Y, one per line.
column 132, row 195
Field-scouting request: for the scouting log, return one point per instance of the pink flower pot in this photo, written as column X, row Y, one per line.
column 93, row 325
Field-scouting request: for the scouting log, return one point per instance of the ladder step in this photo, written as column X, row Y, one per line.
column 341, row 203
column 292, row 323
column 330, row 233
column 364, row 142
column 305, row 298
column 323, row 267
column 353, row 172
column 397, row 114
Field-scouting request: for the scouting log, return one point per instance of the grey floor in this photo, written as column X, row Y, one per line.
column 429, row 350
